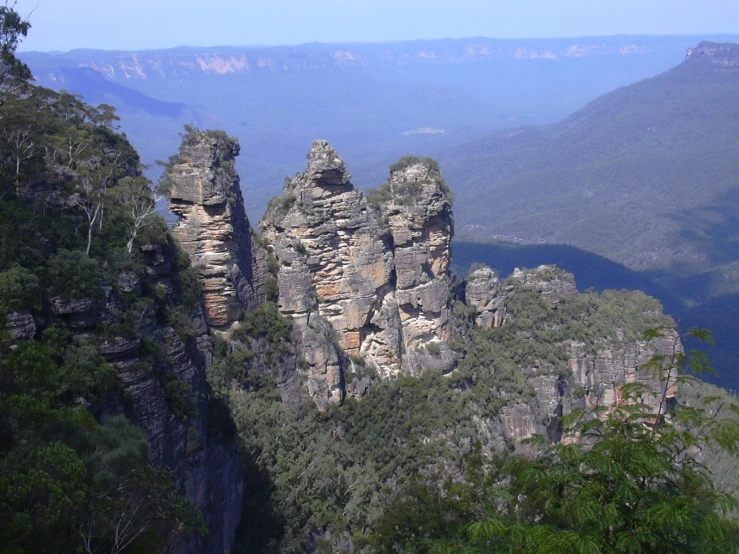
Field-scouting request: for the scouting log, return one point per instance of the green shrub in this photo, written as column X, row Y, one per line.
column 379, row 197
column 300, row 248
column 264, row 322
column 406, row 162
column 271, row 288
column 72, row 274
column 180, row 321
column 186, row 279
column 279, row 206
column 19, row 289
column 433, row 348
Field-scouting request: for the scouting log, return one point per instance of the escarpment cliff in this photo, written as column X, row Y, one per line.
column 163, row 373
column 113, row 418
column 213, row 228
column 717, row 56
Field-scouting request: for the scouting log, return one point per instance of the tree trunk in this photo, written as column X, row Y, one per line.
column 129, row 245
column 89, row 239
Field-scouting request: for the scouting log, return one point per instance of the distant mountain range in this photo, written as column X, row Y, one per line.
column 187, row 62
column 367, row 99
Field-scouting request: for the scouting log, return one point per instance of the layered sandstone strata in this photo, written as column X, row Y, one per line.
column 418, row 210
column 363, row 279
column 213, row 228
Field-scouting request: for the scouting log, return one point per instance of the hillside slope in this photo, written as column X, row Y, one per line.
column 645, row 175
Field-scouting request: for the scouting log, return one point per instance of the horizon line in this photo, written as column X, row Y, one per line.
column 369, row 43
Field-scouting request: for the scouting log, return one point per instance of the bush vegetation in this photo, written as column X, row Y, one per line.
column 74, row 478
column 279, row 206
column 341, row 470
column 407, row 192
column 632, row 483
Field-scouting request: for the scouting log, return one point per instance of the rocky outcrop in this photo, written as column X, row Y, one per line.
column 602, row 374
column 595, row 372
column 418, row 211
column 720, row 57
column 482, row 291
column 362, row 279
column 213, row 227
column 335, row 274
column 519, row 424
column 21, row 325
column 551, row 282
column 598, row 375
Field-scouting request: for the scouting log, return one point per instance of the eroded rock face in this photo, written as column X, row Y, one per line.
column 419, row 215
column 482, row 290
column 376, row 274
column 518, row 422
column 602, row 375
column 595, row 374
column 720, row 57
column 213, row 227
column 21, row 325
column 335, row 273
column 207, row 470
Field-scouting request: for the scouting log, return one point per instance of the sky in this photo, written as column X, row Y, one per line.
column 60, row 25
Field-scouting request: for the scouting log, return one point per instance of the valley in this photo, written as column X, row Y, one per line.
column 364, row 98
column 642, row 175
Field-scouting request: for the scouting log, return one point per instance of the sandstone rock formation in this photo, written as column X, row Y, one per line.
column 362, row 279
column 550, row 281
column 416, row 203
column 719, row 57
column 483, row 292
column 596, row 372
column 365, row 283
column 602, row 374
column 519, row 422
column 335, row 273
column 213, row 228
column 365, row 280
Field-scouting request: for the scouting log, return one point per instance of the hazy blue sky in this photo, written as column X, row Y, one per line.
column 135, row 24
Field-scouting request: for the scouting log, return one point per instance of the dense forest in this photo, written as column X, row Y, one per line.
column 90, row 273
column 642, row 175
